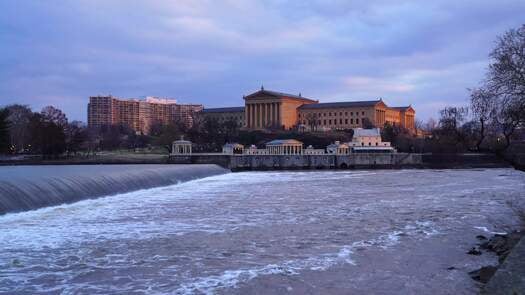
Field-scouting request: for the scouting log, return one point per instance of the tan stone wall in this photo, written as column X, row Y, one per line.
column 289, row 113
column 338, row 118
column 408, row 119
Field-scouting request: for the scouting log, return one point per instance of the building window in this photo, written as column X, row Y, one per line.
column 330, row 114
column 324, row 122
column 324, row 114
column 346, row 113
column 340, row 121
column 376, row 144
column 335, row 121
column 340, row 113
column 329, row 122
column 351, row 113
column 346, row 121
column 363, row 113
column 369, row 144
column 351, row 121
column 357, row 120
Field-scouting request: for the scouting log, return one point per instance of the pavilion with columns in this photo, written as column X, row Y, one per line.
column 284, row 147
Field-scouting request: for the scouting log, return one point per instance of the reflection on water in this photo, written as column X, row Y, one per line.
column 265, row 232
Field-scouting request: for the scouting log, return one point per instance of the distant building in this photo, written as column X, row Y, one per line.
column 232, row 148
column 354, row 114
column 338, row 148
column 369, row 140
column 267, row 109
column 138, row 114
column 222, row 115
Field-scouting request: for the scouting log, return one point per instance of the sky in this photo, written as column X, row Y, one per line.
column 424, row 53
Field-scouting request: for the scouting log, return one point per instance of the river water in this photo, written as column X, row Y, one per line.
column 322, row 232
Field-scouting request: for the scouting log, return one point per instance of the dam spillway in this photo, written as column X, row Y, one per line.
column 25, row 188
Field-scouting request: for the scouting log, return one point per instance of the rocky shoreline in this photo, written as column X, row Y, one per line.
column 499, row 244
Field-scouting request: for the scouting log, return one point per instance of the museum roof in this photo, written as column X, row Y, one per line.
column 283, row 142
column 182, row 141
column 404, row 108
column 345, row 104
column 279, row 94
column 224, row 110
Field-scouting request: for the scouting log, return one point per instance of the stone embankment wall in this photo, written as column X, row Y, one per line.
column 469, row 160
column 510, row 276
column 277, row 162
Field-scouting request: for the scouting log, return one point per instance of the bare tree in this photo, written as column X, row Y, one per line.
column 506, row 79
column 483, row 109
column 20, row 135
column 452, row 117
column 509, row 118
column 418, row 126
column 450, row 122
column 430, row 125
column 312, row 120
column 52, row 114
column 367, row 124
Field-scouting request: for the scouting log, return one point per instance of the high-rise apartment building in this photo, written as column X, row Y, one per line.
column 139, row 114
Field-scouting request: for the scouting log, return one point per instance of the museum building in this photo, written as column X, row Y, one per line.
column 267, row 109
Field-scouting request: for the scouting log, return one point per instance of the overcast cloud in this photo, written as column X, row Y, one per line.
column 424, row 53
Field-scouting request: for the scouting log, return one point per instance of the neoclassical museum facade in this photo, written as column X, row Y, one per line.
column 267, row 109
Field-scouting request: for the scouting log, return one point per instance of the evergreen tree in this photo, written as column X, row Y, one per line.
column 4, row 131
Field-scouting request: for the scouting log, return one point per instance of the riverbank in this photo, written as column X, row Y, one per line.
column 509, row 276
column 283, row 162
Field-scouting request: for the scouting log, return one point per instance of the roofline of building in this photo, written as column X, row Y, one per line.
column 342, row 104
column 281, row 94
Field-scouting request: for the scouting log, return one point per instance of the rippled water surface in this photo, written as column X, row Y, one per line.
column 323, row 232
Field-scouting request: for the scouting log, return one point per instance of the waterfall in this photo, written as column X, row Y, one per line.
column 25, row 188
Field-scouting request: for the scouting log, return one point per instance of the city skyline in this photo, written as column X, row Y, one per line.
column 406, row 52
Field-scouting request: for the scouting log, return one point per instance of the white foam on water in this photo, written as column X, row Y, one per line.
column 232, row 278
column 298, row 221
column 485, row 229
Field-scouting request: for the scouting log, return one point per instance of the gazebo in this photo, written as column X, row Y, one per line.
column 284, row 147
column 181, row 147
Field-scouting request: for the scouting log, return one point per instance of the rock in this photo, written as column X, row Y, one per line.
column 483, row 274
column 502, row 244
column 474, row 251
column 451, row 268
column 481, row 237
